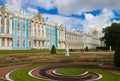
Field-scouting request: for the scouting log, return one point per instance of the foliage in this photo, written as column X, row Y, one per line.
column 111, row 34
column 53, row 50
column 86, row 49
column 106, row 48
column 117, row 53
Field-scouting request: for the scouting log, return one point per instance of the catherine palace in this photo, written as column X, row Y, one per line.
column 19, row 31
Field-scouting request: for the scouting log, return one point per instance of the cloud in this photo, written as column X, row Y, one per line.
column 99, row 21
column 69, row 7
column 66, row 7
column 31, row 11
column 14, row 4
column 49, row 4
column 66, row 21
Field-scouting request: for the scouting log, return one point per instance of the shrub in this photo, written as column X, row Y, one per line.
column 117, row 53
column 86, row 49
column 53, row 50
column 106, row 48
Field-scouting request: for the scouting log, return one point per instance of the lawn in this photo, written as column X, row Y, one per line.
column 32, row 56
column 22, row 74
column 107, row 76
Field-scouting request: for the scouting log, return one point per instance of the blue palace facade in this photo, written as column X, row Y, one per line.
column 19, row 31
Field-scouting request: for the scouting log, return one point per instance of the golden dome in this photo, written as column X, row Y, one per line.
column 95, row 31
column 38, row 15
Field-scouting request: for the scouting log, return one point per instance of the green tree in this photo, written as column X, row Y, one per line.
column 117, row 53
column 86, row 49
column 111, row 34
column 53, row 50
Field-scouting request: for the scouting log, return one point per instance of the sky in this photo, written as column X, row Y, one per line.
column 82, row 15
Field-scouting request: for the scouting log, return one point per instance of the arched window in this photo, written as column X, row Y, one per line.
column 18, row 43
column 3, row 41
column 2, row 20
column 23, row 43
column 30, row 43
column 7, row 29
column 8, row 22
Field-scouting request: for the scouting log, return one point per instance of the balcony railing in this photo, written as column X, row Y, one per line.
column 6, row 35
column 38, row 38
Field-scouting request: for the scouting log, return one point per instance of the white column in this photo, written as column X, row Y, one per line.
column 37, row 29
column 44, row 44
column 59, row 34
column 37, row 44
column 10, row 43
column 41, row 30
column 40, row 44
column 33, row 29
column 5, row 23
column 10, row 28
column 0, row 42
column 5, row 42
column 44, row 28
column 0, row 24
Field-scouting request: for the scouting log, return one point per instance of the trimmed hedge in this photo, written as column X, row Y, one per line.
column 53, row 50
column 106, row 48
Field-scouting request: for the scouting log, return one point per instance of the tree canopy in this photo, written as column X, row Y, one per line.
column 111, row 34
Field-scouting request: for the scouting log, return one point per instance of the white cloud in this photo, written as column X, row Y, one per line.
column 68, row 22
column 49, row 4
column 14, row 4
column 68, row 7
column 99, row 21
column 31, row 11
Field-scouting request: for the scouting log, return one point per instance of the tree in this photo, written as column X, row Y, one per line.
column 117, row 53
column 111, row 34
column 53, row 50
column 86, row 49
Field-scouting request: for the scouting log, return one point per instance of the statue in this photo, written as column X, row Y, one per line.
column 67, row 52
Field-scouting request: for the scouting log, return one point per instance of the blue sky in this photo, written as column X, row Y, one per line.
column 80, row 15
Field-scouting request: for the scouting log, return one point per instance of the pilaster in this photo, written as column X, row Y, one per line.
column 5, row 24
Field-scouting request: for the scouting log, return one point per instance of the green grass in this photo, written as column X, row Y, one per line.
column 28, row 51
column 70, row 71
column 23, row 51
column 22, row 74
column 44, row 57
column 107, row 76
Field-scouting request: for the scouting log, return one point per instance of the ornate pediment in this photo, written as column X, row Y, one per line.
column 6, row 11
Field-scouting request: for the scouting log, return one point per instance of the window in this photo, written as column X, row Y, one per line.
column 30, row 43
column 2, row 29
column 42, row 43
column 2, row 20
column 23, row 43
column 7, row 22
column 8, row 42
column 18, row 24
column 7, row 30
column 3, row 41
column 18, row 43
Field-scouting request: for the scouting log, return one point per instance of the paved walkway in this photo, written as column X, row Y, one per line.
column 5, row 70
